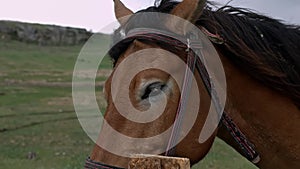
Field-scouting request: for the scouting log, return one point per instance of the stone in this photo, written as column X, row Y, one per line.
column 43, row 34
column 31, row 155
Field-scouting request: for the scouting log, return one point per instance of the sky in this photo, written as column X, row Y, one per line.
column 97, row 14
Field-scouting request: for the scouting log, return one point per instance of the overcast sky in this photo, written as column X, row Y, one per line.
column 96, row 14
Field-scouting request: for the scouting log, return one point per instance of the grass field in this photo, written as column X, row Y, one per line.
column 37, row 114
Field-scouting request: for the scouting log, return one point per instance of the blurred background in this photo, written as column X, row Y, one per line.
column 39, row 45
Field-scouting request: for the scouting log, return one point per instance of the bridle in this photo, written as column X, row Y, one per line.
column 193, row 63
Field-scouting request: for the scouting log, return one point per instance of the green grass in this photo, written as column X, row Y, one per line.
column 41, row 119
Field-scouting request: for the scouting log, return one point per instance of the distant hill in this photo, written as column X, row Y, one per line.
column 42, row 34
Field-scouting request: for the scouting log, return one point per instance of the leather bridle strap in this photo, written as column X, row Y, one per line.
column 248, row 149
column 181, row 110
column 90, row 164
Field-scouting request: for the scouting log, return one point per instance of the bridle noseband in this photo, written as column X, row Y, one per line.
column 193, row 62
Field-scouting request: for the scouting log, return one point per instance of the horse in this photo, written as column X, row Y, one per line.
column 260, row 58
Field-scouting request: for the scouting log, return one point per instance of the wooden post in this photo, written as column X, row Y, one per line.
column 143, row 161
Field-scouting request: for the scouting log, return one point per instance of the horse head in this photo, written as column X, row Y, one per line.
column 160, row 96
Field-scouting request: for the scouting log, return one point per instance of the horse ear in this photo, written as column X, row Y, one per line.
column 121, row 11
column 189, row 10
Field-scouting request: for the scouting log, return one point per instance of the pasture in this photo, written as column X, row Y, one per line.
column 38, row 126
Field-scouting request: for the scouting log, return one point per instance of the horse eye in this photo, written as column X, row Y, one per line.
column 153, row 89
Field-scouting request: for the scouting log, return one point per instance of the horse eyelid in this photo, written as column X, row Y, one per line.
column 151, row 87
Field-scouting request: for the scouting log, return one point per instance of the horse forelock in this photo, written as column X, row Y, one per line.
column 265, row 48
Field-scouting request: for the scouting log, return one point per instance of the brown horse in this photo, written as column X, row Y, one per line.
column 261, row 61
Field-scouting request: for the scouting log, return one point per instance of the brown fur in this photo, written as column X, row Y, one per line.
column 270, row 119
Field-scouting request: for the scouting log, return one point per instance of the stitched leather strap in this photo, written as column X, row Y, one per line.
column 90, row 164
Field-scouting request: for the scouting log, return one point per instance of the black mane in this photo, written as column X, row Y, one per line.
column 265, row 48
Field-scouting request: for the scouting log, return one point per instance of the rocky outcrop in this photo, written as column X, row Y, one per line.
column 42, row 34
